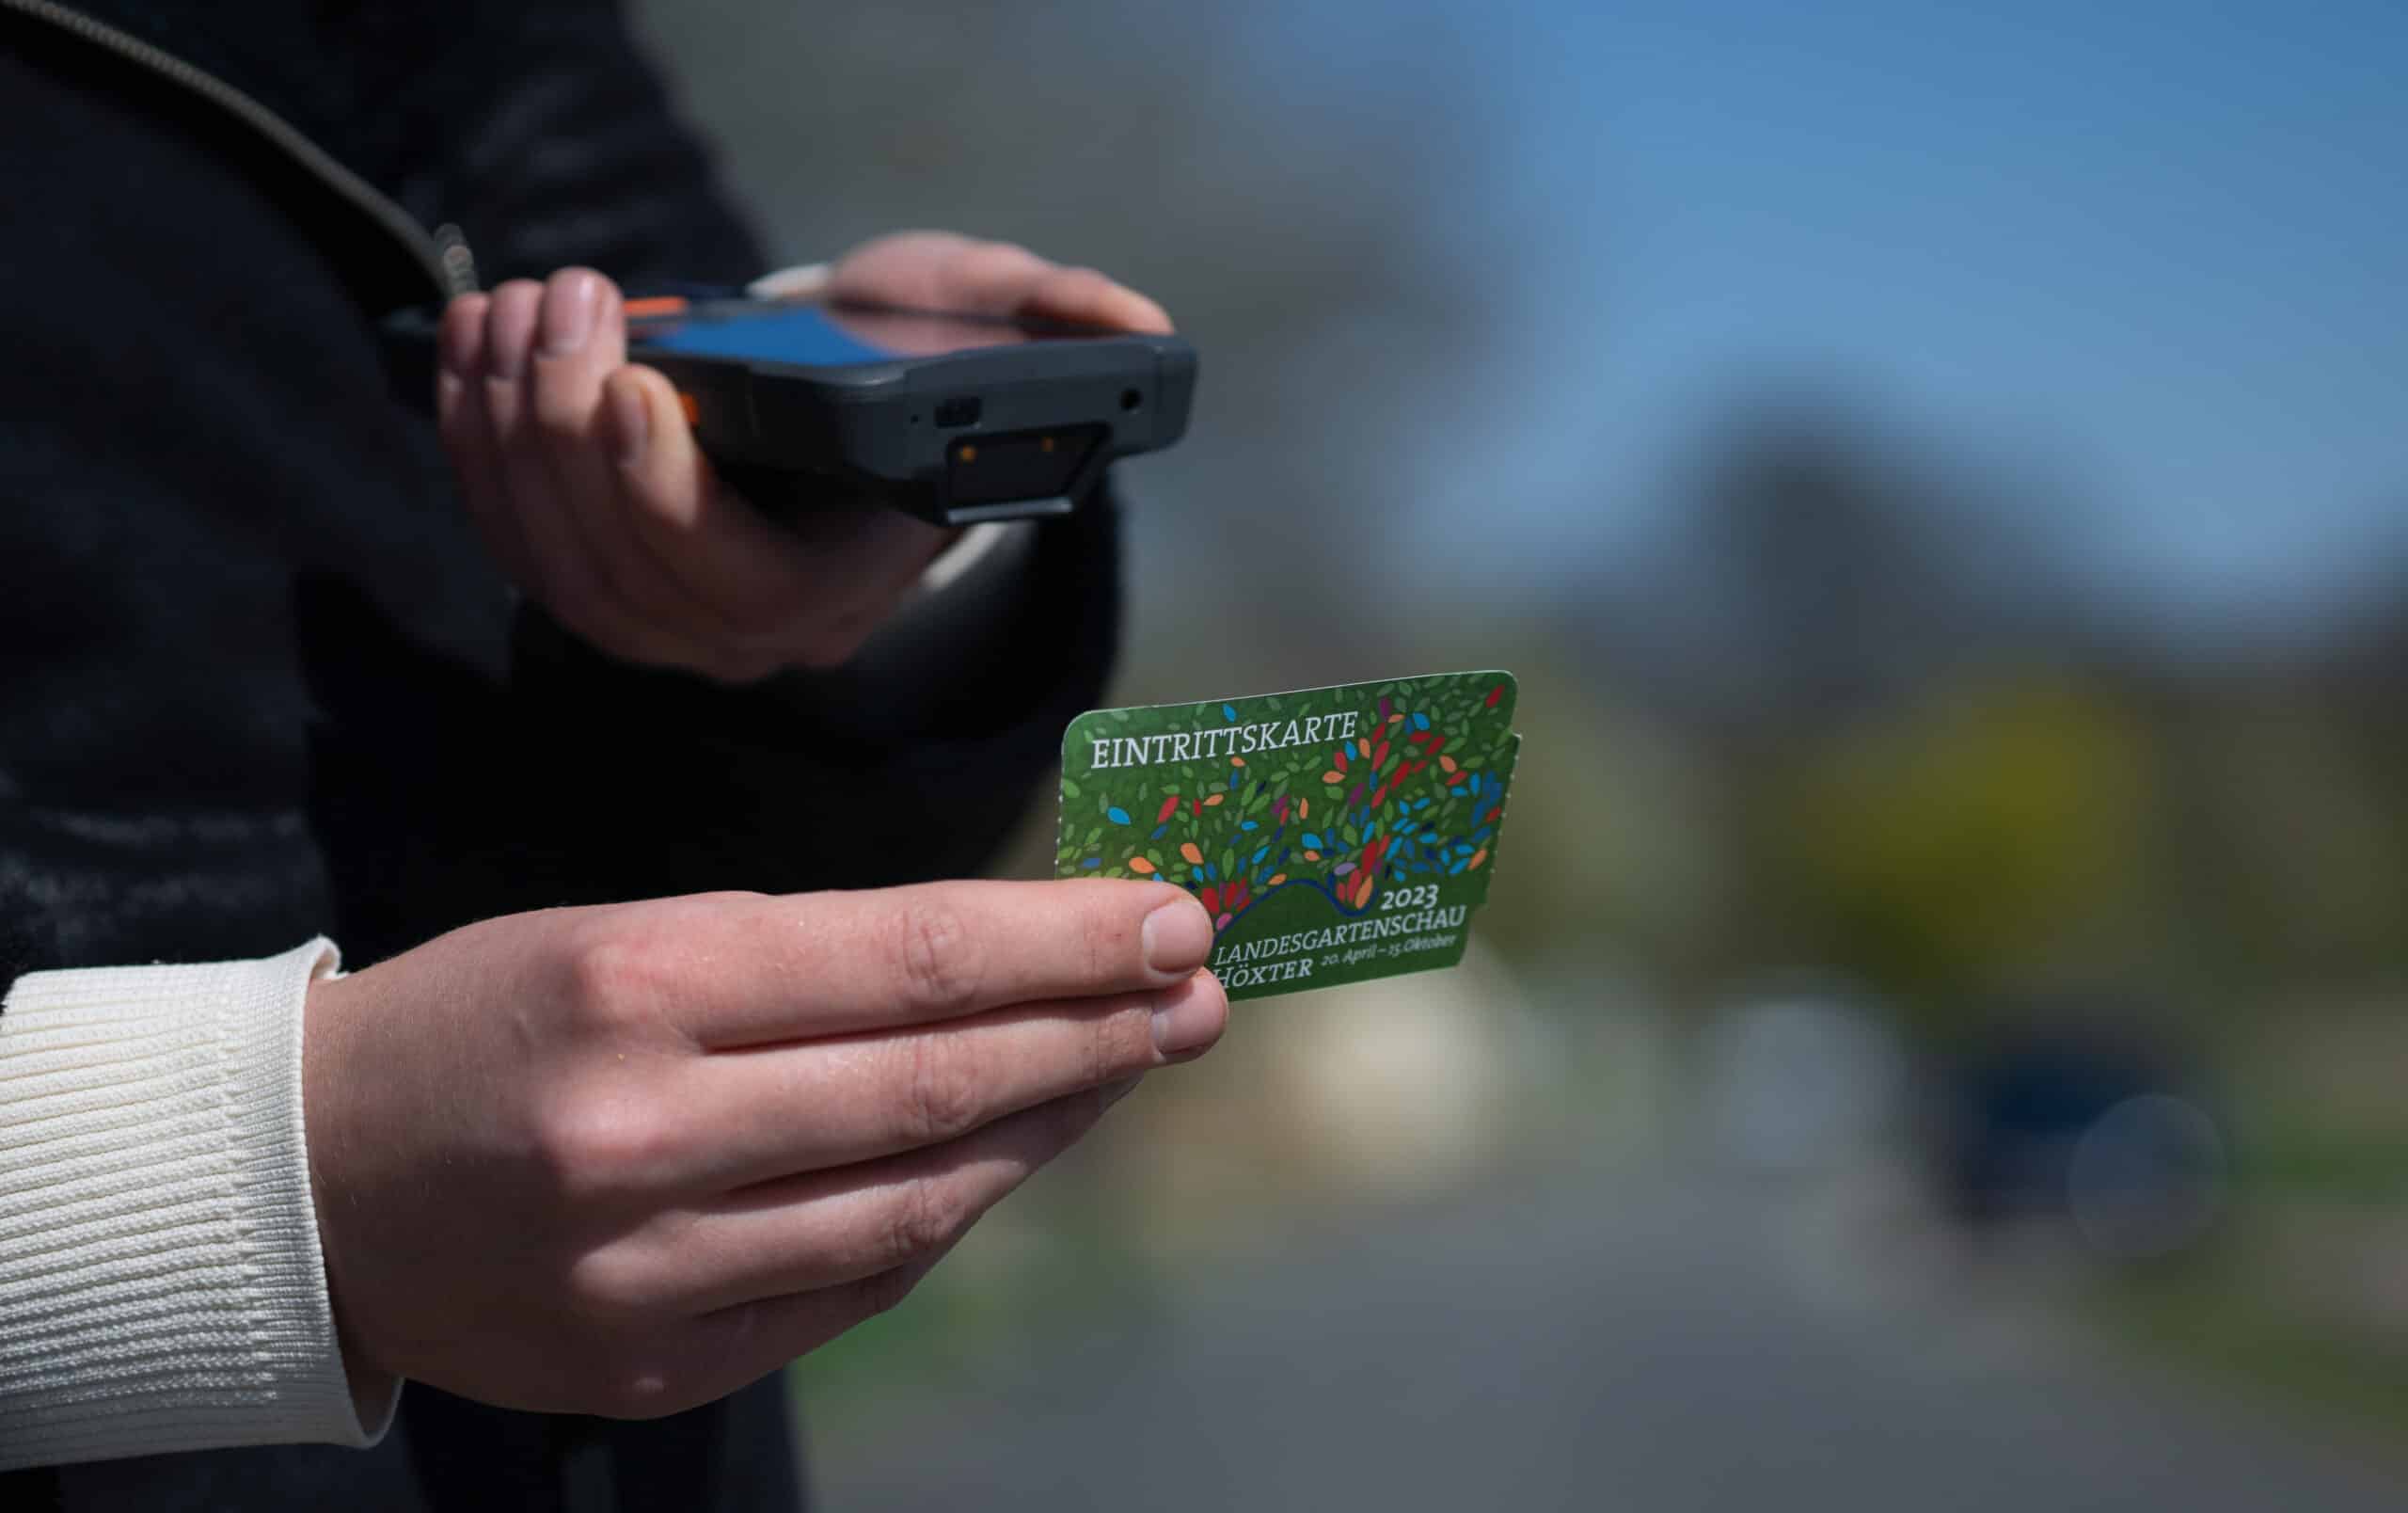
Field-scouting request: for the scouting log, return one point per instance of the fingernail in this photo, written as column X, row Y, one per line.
column 568, row 311
column 1186, row 1019
column 630, row 424
column 1177, row 935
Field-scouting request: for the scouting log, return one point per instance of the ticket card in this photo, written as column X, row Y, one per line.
column 1335, row 835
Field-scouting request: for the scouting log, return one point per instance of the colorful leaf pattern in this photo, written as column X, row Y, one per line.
column 1415, row 794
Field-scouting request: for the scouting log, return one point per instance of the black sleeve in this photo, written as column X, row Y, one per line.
column 542, row 132
column 588, row 780
column 862, row 776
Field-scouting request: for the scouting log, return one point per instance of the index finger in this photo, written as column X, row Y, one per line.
column 755, row 970
column 941, row 271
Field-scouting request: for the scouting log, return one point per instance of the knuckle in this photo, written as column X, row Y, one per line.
column 943, row 1096
column 610, row 1284
column 456, row 417
column 597, row 1149
column 927, row 1216
column 934, row 957
column 503, row 409
column 615, row 974
column 1123, row 1042
column 1107, row 938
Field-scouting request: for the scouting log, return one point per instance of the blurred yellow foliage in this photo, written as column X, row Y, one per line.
column 1996, row 834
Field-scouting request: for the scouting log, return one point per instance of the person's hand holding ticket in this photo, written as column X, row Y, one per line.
column 623, row 1160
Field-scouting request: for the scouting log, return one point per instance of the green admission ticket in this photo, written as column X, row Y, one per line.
column 1335, row 835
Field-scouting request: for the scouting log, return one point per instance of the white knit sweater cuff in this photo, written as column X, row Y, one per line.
column 161, row 1286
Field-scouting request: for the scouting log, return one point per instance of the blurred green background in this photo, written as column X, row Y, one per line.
column 1937, row 1039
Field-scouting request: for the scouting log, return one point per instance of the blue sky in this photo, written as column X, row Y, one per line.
column 2159, row 250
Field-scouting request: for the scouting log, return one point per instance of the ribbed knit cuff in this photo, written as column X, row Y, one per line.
column 161, row 1286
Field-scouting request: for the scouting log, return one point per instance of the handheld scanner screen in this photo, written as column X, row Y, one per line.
column 823, row 336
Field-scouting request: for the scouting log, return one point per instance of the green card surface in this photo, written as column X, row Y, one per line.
column 1335, row 835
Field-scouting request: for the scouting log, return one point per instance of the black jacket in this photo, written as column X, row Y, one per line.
column 256, row 678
